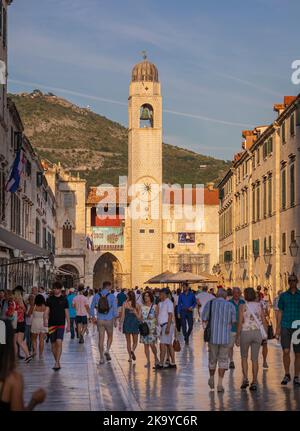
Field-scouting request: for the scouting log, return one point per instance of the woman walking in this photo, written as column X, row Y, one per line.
column 130, row 319
column 251, row 331
column 38, row 330
column 149, row 316
column 20, row 330
column 11, row 381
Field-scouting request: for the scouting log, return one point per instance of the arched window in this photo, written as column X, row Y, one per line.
column 146, row 116
column 67, row 235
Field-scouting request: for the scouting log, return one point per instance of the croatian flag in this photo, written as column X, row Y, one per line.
column 16, row 172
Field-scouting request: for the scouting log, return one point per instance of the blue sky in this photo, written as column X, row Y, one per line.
column 222, row 64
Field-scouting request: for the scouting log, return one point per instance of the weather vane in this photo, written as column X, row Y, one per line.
column 144, row 54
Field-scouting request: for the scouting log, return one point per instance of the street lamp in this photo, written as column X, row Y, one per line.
column 294, row 247
column 267, row 256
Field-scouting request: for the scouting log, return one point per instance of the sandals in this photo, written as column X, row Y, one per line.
column 245, row 384
column 253, row 387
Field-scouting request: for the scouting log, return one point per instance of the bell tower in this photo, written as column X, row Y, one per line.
column 145, row 172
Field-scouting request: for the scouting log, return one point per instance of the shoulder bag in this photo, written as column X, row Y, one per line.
column 259, row 324
column 207, row 330
column 143, row 326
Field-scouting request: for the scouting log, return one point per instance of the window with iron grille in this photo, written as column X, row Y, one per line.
column 2, row 196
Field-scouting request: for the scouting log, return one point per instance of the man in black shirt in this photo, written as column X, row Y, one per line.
column 56, row 315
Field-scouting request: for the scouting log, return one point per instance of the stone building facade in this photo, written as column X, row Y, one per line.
column 259, row 204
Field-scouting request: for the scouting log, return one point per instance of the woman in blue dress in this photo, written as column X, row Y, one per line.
column 131, row 319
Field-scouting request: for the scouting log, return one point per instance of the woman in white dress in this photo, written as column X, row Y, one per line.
column 38, row 330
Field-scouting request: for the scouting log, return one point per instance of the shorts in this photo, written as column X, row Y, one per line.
column 20, row 327
column 251, row 339
column 105, row 325
column 81, row 319
column 286, row 339
column 57, row 334
column 218, row 354
column 167, row 338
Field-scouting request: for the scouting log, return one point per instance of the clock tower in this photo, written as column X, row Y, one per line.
column 145, row 172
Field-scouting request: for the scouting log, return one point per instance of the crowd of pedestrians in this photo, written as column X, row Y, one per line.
column 153, row 318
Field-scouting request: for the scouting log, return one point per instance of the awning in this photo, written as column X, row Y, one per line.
column 16, row 242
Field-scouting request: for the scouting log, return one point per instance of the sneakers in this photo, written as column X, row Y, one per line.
column 231, row 365
column 286, row 379
column 211, row 383
column 107, row 355
column 296, row 381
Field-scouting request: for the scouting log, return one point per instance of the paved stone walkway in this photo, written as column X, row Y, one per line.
column 83, row 384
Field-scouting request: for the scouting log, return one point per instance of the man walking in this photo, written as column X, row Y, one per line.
column 72, row 312
column 289, row 312
column 221, row 314
column 55, row 318
column 236, row 301
column 81, row 305
column 107, row 314
column 166, row 323
column 186, row 304
column 203, row 298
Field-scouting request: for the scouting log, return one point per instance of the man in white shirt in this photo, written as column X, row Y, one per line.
column 167, row 327
column 203, row 298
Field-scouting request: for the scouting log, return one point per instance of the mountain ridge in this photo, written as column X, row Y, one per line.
column 96, row 147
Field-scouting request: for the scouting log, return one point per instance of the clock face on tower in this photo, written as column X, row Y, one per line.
column 147, row 191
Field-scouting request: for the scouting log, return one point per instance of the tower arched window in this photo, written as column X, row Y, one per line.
column 67, row 234
column 146, row 116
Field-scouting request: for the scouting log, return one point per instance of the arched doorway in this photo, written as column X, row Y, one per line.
column 69, row 276
column 107, row 268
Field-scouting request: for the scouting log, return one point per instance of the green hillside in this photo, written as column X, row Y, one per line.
column 96, row 147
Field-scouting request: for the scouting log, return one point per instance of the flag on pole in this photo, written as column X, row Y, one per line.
column 89, row 243
column 16, row 172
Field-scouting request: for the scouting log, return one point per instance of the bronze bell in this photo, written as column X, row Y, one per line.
column 145, row 114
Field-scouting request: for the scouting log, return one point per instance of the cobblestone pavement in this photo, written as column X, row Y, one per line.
column 83, row 384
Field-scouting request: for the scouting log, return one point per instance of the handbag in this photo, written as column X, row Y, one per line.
column 207, row 330
column 271, row 334
column 143, row 326
column 176, row 345
column 259, row 324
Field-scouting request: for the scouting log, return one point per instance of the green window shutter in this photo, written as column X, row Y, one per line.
column 298, row 116
column 292, row 185
column 292, row 124
column 283, row 133
column 283, row 189
column 255, row 247
column 270, row 145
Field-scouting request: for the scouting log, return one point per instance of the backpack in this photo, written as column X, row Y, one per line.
column 103, row 305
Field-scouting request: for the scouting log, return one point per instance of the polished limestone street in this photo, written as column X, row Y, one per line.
column 82, row 384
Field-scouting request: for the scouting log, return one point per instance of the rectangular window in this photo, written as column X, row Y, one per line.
column 270, row 243
column 283, row 137
column 4, row 26
column 44, row 238
column 293, row 236
column 253, row 205
column 2, row 196
column 142, row 230
column 270, row 209
column 37, row 231
column 283, row 189
column 151, row 230
column 258, row 155
column 292, row 124
column 292, row 185
column 255, row 247
column 265, row 245
column 265, row 149
column 265, row 198
column 258, row 202
column 270, row 145
column 298, row 116
column 15, row 218
column 283, row 243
